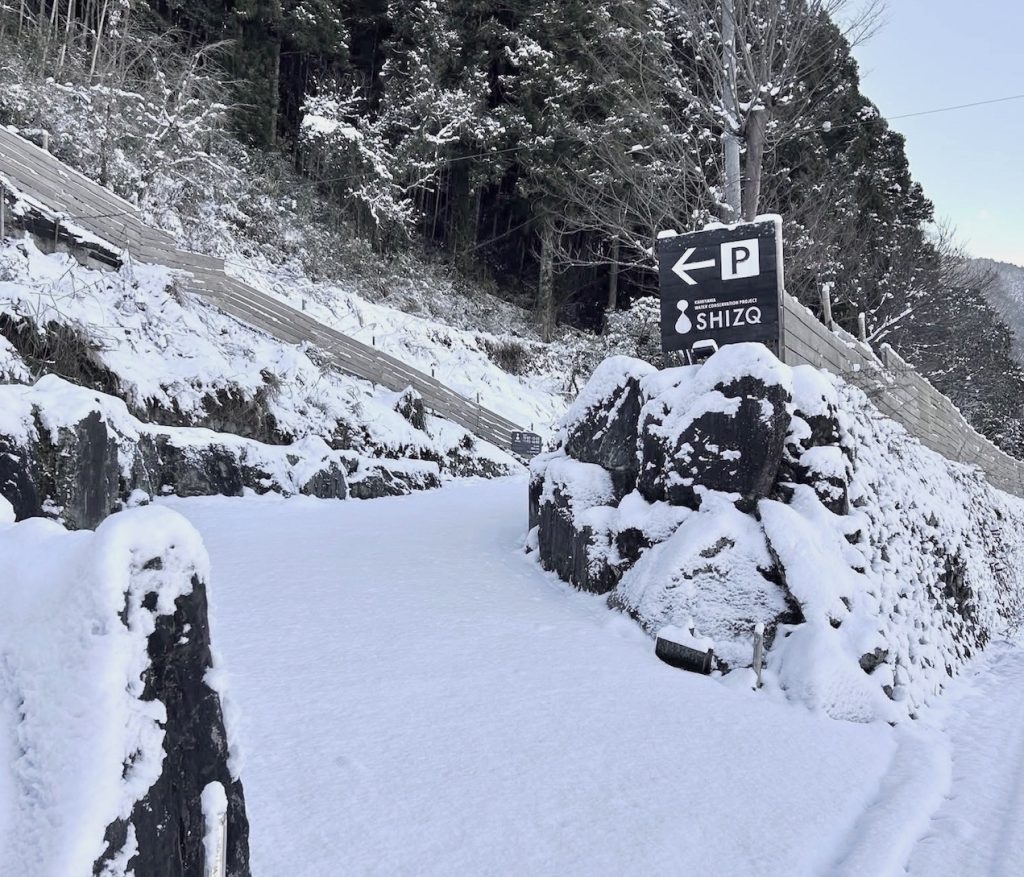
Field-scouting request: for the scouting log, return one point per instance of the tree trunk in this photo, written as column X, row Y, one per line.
column 546, row 279
column 613, row 280
column 755, row 151
column 274, row 91
column 461, row 230
column 730, row 211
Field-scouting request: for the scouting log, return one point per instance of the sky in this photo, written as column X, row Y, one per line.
column 940, row 53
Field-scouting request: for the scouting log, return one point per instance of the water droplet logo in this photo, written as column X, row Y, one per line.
column 683, row 324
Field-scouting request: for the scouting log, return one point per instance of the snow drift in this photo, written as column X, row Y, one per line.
column 744, row 492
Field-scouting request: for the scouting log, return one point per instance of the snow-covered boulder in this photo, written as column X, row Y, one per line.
column 70, row 463
column 718, row 567
column 780, row 497
column 76, row 454
column 814, row 452
column 119, row 729
column 601, row 425
column 372, row 479
column 719, row 427
column 571, row 489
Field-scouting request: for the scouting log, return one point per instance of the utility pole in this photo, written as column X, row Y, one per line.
column 730, row 138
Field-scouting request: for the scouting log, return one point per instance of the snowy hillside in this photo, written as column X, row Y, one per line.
column 172, row 355
column 1006, row 295
column 153, row 361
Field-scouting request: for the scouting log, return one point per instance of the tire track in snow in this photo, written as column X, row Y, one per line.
column 952, row 801
column 979, row 829
column 911, row 791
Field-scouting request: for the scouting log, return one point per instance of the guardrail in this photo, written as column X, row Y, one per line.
column 898, row 391
column 35, row 173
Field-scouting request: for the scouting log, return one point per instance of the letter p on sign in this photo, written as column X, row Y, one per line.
column 741, row 259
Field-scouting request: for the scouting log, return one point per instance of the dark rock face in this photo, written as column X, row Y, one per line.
column 210, row 471
column 566, row 548
column 17, row 484
column 78, row 472
column 168, row 821
column 225, row 410
column 377, row 479
column 328, row 483
column 410, row 406
column 607, row 435
column 724, row 451
column 798, row 467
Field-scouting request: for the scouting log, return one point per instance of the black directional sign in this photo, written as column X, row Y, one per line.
column 526, row 444
column 721, row 286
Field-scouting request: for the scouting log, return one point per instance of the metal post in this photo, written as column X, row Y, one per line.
column 217, row 866
column 46, row 140
column 826, row 304
column 730, row 141
column 862, row 326
column 3, row 212
column 758, row 650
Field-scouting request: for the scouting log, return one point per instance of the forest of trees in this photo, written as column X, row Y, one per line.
column 542, row 144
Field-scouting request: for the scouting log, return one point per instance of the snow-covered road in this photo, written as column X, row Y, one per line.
column 417, row 697
column 979, row 829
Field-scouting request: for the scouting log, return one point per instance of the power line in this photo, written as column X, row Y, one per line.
column 977, row 103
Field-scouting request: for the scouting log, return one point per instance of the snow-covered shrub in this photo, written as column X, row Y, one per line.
column 509, row 355
column 764, row 494
column 635, row 331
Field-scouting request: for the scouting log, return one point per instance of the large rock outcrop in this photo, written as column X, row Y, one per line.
column 120, row 726
column 75, row 454
column 743, row 492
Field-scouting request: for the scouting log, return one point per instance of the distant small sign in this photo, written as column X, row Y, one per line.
column 526, row 444
column 721, row 286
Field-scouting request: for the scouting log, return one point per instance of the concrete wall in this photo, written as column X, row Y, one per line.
column 898, row 391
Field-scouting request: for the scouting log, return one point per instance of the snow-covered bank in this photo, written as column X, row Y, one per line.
column 89, row 724
column 116, row 382
column 178, row 361
column 745, row 492
column 448, row 708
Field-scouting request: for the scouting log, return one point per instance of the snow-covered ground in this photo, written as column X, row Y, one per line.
column 457, row 357
column 171, row 356
column 415, row 696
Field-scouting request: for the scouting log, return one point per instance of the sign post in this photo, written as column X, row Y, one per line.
column 721, row 286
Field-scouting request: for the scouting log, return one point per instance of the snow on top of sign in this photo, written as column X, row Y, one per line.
column 761, row 218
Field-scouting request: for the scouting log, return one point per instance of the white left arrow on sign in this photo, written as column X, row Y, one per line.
column 684, row 265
